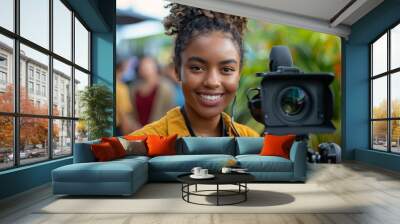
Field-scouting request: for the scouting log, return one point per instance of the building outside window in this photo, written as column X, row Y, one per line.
column 3, row 78
column 43, row 90
column 43, row 78
column 30, row 87
column 38, row 89
column 55, row 96
column 35, row 52
column 30, row 72
column 37, row 75
column 3, row 61
column 3, row 72
column 385, row 91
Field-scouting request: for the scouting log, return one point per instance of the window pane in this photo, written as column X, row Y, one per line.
column 34, row 79
column 395, row 138
column 395, row 47
column 81, row 131
column 6, row 74
column 62, row 89
column 379, row 55
column 35, row 21
column 81, row 45
column 62, row 29
column 6, row 142
column 395, row 94
column 62, row 138
column 7, row 14
column 379, row 135
column 33, row 140
column 81, row 81
column 379, row 97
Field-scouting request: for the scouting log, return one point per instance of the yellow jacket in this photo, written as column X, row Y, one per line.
column 174, row 123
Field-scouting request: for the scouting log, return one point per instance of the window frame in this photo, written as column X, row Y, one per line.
column 388, row 74
column 16, row 115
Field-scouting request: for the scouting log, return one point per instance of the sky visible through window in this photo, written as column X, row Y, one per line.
column 30, row 18
column 6, row 14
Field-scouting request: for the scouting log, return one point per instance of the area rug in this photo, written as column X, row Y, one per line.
column 167, row 198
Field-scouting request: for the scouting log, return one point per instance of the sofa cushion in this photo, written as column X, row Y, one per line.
column 249, row 145
column 185, row 163
column 111, row 171
column 132, row 159
column 83, row 152
column 257, row 163
column 207, row 145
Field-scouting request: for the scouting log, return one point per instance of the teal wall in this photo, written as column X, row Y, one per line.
column 99, row 16
column 356, row 101
column 103, row 64
column 24, row 178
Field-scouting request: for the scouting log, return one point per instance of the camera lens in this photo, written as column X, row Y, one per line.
column 293, row 101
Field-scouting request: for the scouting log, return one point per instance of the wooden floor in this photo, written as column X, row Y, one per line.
column 377, row 188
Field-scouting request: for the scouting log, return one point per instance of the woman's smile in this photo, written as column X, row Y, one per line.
column 210, row 100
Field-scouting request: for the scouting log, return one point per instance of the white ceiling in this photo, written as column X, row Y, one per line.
column 326, row 16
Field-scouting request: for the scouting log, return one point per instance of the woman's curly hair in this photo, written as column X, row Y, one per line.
column 187, row 22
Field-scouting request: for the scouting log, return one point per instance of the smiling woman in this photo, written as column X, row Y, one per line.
column 208, row 58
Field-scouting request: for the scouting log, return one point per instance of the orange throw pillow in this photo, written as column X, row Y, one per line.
column 276, row 145
column 116, row 145
column 135, row 137
column 103, row 152
column 161, row 145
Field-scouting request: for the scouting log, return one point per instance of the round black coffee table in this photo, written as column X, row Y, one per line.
column 238, row 179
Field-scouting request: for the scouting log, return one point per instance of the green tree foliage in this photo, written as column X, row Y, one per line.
column 97, row 102
column 379, row 128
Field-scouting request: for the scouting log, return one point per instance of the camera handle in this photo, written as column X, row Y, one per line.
column 252, row 90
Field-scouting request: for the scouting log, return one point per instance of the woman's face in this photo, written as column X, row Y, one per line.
column 210, row 73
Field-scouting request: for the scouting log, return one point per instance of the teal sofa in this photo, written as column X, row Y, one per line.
column 125, row 176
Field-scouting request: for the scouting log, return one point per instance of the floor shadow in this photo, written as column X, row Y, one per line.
column 148, row 191
column 255, row 198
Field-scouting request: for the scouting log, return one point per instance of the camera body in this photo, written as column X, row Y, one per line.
column 290, row 101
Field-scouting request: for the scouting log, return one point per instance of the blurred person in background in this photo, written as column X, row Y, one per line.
column 151, row 95
column 129, row 73
column 170, row 74
column 124, row 109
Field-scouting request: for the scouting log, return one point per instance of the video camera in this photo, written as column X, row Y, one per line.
column 290, row 101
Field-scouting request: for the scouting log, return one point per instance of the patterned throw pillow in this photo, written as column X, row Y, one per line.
column 134, row 147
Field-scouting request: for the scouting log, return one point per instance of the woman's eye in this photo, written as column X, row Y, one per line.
column 196, row 68
column 228, row 69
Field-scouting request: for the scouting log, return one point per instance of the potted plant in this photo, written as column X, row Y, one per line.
column 96, row 103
